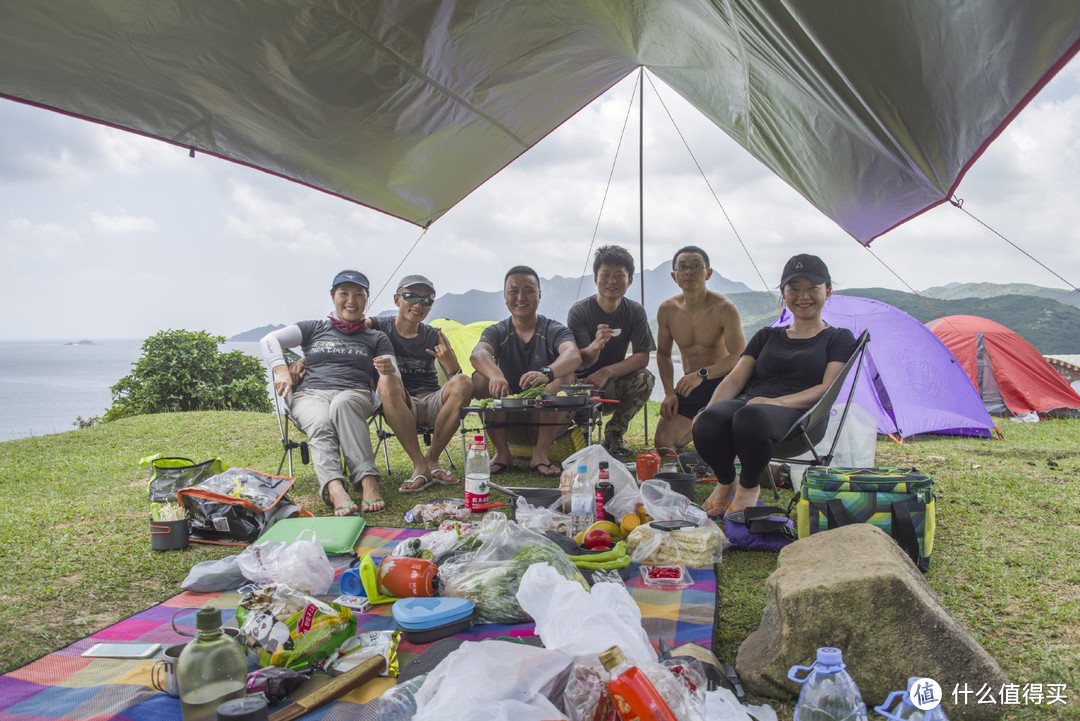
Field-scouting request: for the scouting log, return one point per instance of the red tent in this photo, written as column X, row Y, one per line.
column 1010, row 374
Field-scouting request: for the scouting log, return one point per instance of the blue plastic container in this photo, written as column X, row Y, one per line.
column 428, row 618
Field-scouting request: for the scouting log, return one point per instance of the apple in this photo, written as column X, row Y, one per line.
column 595, row 538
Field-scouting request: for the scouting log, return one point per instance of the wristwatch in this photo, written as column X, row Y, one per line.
column 704, row 373
column 548, row 372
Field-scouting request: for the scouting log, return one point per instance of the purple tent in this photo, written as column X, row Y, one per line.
column 910, row 381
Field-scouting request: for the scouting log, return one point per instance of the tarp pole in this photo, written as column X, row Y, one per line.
column 641, row 212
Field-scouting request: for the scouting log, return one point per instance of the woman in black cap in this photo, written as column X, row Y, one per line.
column 332, row 402
column 782, row 372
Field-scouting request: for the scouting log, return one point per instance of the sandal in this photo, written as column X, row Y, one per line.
column 715, row 509
column 549, row 473
column 350, row 509
column 366, row 505
column 497, row 467
column 424, row 483
column 443, row 477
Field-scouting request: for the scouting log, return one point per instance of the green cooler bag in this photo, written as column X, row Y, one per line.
column 899, row 501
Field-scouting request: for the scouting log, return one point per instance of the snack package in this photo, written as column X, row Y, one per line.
column 695, row 547
column 290, row 629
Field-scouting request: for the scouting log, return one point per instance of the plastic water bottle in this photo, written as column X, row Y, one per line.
column 828, row 693
column 211, row 669
column 906, row 710
column 477, row 473
column 581, row 499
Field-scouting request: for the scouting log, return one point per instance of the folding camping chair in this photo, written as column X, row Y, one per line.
column 283, row 419
column 383, row 433
column 809, row 430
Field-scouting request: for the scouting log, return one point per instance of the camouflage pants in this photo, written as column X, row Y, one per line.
column 632, row 391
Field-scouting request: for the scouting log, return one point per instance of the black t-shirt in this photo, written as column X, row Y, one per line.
column 630, row 317
column 417, row 368
column 786, row 365
column 514, row 357
column 338, row 361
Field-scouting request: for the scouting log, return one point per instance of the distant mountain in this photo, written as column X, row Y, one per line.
column 559, row 293
column 956, row 291
column 253, row 335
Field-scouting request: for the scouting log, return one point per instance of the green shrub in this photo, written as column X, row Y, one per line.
column 182, row 370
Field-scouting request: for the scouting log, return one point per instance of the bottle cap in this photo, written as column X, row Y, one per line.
column 208, row 618
column 830, row 659
column 248, row 708
column 603, row 464
column 612, row 658
column 478, row 438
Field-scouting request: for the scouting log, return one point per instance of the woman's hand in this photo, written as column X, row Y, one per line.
column 766, row 401
column 282, row 380
column 384, row 364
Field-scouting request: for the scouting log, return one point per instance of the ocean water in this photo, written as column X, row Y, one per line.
column 44, row 385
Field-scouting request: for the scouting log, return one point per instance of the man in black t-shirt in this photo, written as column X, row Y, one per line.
column 415, row 397
column 604, row 327
column 516, row 354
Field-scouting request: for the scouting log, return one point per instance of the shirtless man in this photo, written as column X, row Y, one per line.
column 517, row 353
column 706, row 327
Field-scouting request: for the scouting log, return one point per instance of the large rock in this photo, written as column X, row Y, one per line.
column 853, row 588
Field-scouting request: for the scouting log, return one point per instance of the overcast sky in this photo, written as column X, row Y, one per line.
column 105, row 234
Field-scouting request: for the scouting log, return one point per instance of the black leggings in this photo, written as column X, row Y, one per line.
column 727, row 429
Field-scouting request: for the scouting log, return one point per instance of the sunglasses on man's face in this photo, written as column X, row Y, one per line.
column 417, row 299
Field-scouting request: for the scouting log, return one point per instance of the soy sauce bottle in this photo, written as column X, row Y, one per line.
column 603, row 491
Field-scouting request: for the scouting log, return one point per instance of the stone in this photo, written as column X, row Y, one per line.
column 854, row 589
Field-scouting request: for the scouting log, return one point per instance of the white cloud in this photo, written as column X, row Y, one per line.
column 123, row 224
column 274, row 225
column 39, row 240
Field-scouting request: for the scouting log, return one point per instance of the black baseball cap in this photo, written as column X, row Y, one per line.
column 806, row 266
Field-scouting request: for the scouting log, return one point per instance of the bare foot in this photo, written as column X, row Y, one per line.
column 339, row 498
column 745, row 497
column 372, row 500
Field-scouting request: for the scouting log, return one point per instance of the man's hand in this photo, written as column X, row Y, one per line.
column 604, row 333
column 498, row 387
column 282, row 381
column 670, row 407
column 687, row 383
column 297, row 369
column 384, row 365
column 444, row 353
column 599, row 378
column 530, row 378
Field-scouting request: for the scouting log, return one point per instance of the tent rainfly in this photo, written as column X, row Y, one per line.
column 910, row 382
column 1011, row 375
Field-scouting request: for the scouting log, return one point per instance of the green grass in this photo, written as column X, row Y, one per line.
column 75, row 553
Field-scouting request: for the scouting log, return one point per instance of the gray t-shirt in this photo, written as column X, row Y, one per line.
column 338, row 361
column 630, row 317
column 416, row 366
column 514, row 357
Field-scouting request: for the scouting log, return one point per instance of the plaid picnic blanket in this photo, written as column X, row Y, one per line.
column 65, row 685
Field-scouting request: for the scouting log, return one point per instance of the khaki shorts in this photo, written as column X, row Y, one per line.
column 426, row 408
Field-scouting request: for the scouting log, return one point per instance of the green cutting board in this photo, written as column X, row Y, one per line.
column 336, row 534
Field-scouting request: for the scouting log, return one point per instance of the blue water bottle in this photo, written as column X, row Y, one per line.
column 906, row 710
column 828, row 693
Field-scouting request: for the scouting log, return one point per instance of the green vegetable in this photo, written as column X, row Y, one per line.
column 486, row 403
column 534, row 391
column 589, row 565
column 617, row 551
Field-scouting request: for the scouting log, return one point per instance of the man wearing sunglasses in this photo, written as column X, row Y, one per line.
column 416, row 399
column 707, row 328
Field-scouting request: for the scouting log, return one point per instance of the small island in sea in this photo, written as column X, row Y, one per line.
column 80, row 342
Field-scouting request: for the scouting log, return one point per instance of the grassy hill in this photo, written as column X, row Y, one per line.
column 956, row 291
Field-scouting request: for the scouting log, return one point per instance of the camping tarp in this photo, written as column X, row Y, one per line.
column 872, row 111
column 910, row 381
column 1011, row 375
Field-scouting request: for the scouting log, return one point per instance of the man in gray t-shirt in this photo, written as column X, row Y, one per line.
column 516, row 354
column 605, row 326
column 416, row 399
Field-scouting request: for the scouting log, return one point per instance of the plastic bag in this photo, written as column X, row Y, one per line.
column 221, row 575
column 722, row 705
column 494, row 680
column 236, row 506
column 541, row 519
column 696, row 547
column 301, row 564
column 626, row 495
column 489, row 576
column 580, row 623
column 399, row 703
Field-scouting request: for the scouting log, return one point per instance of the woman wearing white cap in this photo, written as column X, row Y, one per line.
column 781, row 373
column 333, row 401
